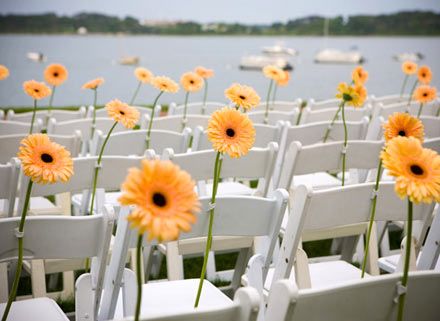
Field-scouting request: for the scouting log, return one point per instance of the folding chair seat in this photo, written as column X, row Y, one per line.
column 10, row 127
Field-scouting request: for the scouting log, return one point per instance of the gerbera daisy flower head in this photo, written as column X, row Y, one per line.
column 231, row 132
column 242, row 96
column 55, row 74
column 424, row 75
column 409, row 67
column 284, row 81
column 165, row 84
column 353, row 96
column 164, row 198
column 44, row 161
column 37, row 90
column 93, row 84
column 403, row 124
column 191, row 81
column 4, row 72
column 143, row 75
column 359, row 75
column 425, row 94
column 417, row 169
column 204, row 72
column 273, row 72
column 122, row 113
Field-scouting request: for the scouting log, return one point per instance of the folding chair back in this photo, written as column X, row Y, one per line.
column 323, row 104
column 59, row 115
column 351, row 114
column 284, row 106
column 258, row 117
column 433, row 143
column 387, row 100
column 175, row 122
column 102, row 112
column 10, row 127
column 196, row 108
column 9, row 174
column 385, row 111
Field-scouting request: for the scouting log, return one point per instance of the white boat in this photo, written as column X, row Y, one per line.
column 129, row 60
column 36, row 56
column 259, row 62
column 278, row 50
column 339, row 56
column 413, row 56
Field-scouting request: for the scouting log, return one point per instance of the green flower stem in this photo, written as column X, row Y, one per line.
column 13, row 293
column 327, row 132
column 344, row 155
column 33, row 117
column 406, row 264
column 402, row 90
column 438, row 111
column 135, row 93
column 138, row 277
column 301, row 108
column 373, row 213
column 51, row 97
column 266, row 113
column 152, row 118
column 205, row 96
column 95, row 98
column 412, row 91
column 420, row 110
column 217, row 170
column 274, row 94
column 185, row 110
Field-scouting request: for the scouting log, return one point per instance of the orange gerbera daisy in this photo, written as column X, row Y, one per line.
column 122, row 113
column 417, row 169
column 284, row 81
column 165, row 84
column 425, row 94
column 409, row 67
column 191, row 81
column 44, row 161
column 164, row 199
column 359, row 75
column 353, row 96
column 93, row 84
column 242, row 96
column 273, row 72
column 204, row 72
column 37, row 90
column 55, row 74
column 4, row 72
column 231, row 132
column 143, row 75
column 403, row 124
column 424, row 74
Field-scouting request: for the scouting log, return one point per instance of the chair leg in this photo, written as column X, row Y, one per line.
column 148, row 257
column 211, row 269
column 4, row 288
column 240, row 267
column 348, row 247
column 133, row 263
column 174, row 262
column 38, row 279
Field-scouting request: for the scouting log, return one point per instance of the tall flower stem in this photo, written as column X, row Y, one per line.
column 406, row 263
column 135, row 93
column 217, row 170
column 33, row 117
column 13, row 293
column 412, row 92
column 373, row 214
column 266, row 113
column 51, row 97
column 298, row 119
column 420, row 110
column 344, row 154
column 152, row 118
column 95, row 98
column 274, row 96
column 402, row 90
column 138, row 278
column 205, row 96
column 327, row 132
column 185, row 110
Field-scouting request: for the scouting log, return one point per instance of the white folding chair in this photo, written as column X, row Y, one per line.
column 279, row 105
column 195, row 108
column 58, row 114
column 387, row 100
column 351, row 114
column 323, row 104
column 259, row 117
column 9, row 174
column 102, row 112
column 9, row 127
column 364, row 300
column 59, row 237
column 175, row 122
column 234, row 216
column 384, row 111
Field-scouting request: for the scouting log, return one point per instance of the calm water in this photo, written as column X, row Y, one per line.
column 93, row 56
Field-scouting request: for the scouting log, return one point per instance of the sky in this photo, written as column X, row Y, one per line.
column 243, row 11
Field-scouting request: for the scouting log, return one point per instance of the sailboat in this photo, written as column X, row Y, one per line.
column 335, row 56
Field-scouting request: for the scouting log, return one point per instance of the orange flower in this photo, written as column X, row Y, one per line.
column 45, row 161
column 409, row 67
column 242, row 96
column 403, row 124
column 353, row 96
column 424, row 74
column 143, row 75
column 425, row 94
column 359, row 75
column 37, row 90
column 165, row 84
column 231, row 132
column 93, row 84
column 55, row 74
column 204, row 72
column 4, row 72
column 284, row 81
column 122, row 113
column 164, row 199
column 273, row 72
column 191, row 81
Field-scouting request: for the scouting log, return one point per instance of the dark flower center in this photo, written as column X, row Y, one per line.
column 37, row 90
column 347, row 97
column 402, row 133
column 159, row 200
column 425, row 94
column 416, row 170
column 242, row 97
column 55, row 74
column 230, row 132
column 423, row 75
column 191, row 82
column 46, row 158
column 122, row 112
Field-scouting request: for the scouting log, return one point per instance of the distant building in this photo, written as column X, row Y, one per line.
column 82, row 31
column 160, row 23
